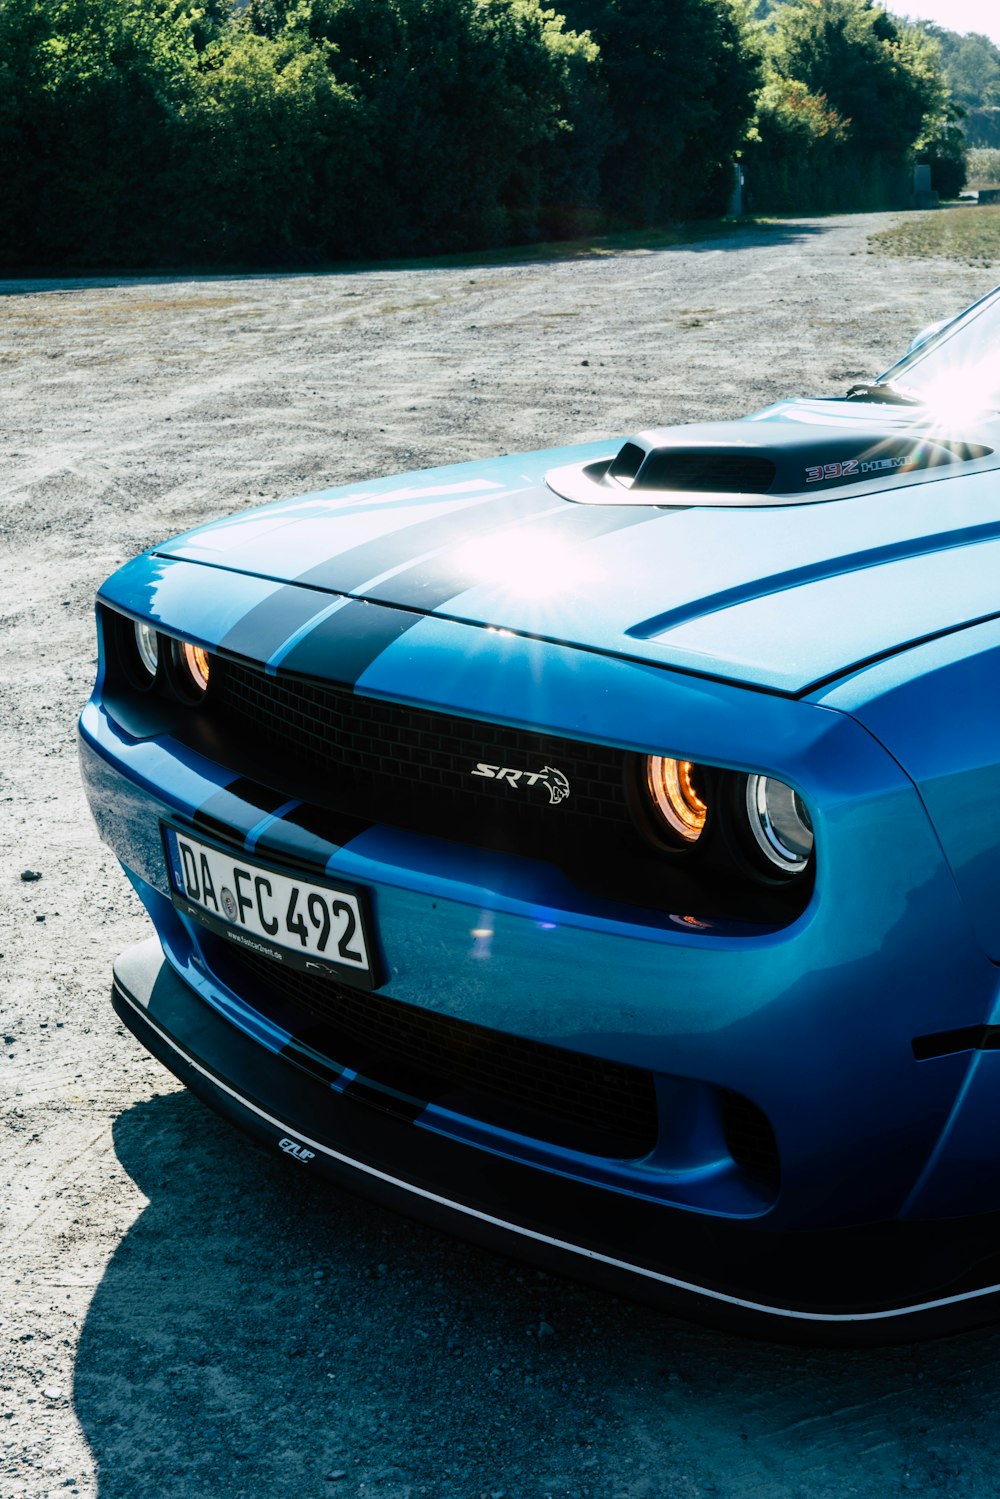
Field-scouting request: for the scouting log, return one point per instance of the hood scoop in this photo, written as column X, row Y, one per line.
column 756, row 463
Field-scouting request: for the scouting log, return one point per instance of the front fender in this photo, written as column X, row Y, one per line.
column 936, row 709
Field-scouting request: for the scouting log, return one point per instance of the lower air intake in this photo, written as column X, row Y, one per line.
column 750, row 1140
column 566, row 1098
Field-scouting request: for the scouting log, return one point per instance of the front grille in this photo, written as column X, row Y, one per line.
column 567, row 1098
column 415, row 767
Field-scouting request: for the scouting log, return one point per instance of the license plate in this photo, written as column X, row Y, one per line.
column 314, row 927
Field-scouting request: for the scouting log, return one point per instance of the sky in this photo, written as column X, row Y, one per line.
column 955, row 15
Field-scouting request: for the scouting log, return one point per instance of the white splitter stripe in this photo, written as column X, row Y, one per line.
column 531, row 1233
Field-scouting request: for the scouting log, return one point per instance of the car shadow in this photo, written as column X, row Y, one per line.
column 257, row 1333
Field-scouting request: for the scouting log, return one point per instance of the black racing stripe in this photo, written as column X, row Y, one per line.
column 268, row 624
column 382, row 1095
column 430, row 584
column 304, row 1048
column 237, row 808
column 266, row 627
column 350, row 570
column 337, row 828
column 295, row 845
column 309, row 1046
column 343, row 646
column 264, row 797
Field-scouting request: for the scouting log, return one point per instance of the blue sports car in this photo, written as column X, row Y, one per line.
column 597, row 852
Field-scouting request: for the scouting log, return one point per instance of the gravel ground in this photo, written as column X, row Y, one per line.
column 185, row 1316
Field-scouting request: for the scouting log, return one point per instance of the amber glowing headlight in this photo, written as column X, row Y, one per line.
column 676, row 792
column 780, row 823
column 147, row 647
column 196, row 661
column 193, row 669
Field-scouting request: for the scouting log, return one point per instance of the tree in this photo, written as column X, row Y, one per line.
column 791, row 154
column 466, row 101
column 92, row 95
column 877, row 72
column 944, row 149
column 859, row 90
column 970, row 64
column 278, row 150
column 971, row 68
column 681, row 76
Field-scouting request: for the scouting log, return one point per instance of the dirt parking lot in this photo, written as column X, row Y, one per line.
column 183, row 1315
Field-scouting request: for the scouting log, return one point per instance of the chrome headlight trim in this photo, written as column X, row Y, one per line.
column 780, row 823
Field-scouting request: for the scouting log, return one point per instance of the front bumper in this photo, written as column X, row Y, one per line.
column 813, row 1023
column 872, row 1284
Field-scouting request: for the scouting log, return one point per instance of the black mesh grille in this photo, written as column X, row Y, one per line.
column 415, row 767
column 581, row 1102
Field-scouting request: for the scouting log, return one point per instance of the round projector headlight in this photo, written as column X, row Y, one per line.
column 780, row 823
column 196, row 665
column 676, row 793
column 147, row 645
column 192, row 668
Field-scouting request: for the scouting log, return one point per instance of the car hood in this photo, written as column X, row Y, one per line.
column 777, row 591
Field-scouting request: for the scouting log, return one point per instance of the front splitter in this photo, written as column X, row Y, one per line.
column 883, row 1283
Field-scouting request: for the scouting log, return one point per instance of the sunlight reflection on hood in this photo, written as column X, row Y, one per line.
column 529, row 566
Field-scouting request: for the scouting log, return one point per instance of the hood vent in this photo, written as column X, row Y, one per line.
column 711, row 472
column 757, row 463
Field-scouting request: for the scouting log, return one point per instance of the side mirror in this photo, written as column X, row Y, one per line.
column 928, row 332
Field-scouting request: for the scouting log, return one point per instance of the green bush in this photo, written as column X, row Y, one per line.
column 139, row 132
column 790, row 160
column 142, row 131
column 276, row 153
column 91, row 103
column 468, row 103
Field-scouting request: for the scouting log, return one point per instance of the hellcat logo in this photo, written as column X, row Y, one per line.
column 552, row 779
column 292, row 1147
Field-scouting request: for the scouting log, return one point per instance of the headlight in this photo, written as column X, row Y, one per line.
column 189, row 671
column 147, row 646
column 675, row 787
column 749, row 826
column 195, row 668
column 779, row 823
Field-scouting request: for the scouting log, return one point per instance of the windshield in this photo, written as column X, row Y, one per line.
column 958, row 369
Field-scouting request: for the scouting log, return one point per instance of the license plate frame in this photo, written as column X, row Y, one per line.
column 341, row 898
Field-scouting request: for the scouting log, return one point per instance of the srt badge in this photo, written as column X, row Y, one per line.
column 553, row 780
